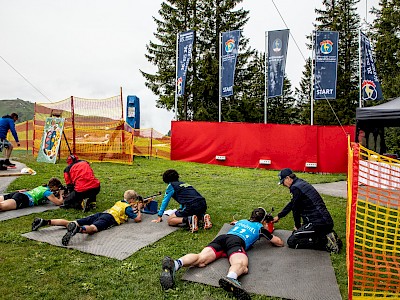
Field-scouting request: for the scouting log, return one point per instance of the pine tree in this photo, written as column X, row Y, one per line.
column 341, row 16
column 208, row 18
column 386, row 39
column 282, row 110
column 303, row 96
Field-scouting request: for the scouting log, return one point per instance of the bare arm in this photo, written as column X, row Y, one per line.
column 55, row 200
column 277, row 241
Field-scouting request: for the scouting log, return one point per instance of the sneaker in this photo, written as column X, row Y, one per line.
column 167, row 277
column 193, row 227
column 8, row 164
column 85, row 205
column 233, row 286
column 332, row 244
column 37, row 223
column 92, row 205
column 72, row 229
column 207, row 221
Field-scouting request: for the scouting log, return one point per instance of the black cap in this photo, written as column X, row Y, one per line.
column 283, row 174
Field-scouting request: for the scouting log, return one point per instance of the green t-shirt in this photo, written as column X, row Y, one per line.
column 39, row 195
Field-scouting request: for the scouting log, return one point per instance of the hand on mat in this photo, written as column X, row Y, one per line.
column 158, row 220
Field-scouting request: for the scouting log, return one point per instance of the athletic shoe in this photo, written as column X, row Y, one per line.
column 8, row 164
column 233, row 286
column 93, row 205
column 193, row 227
column 72, row 229
column 37, row 223
column 332, row 244
column 167, row 277
column 85, row 205
column 207, row 221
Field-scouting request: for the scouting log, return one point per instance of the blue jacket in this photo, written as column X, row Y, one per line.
column 7, row 123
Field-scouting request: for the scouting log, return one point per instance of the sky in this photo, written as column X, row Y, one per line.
column 91, row 48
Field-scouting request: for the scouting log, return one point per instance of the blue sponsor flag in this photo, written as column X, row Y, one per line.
column 229, row 52
column 326, row 61
column 185, row 47
column 370, row 86
column 277, row 51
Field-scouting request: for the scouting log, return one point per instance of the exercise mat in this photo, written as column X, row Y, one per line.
column 11, row 214
column 117, row 242
column 299, row 274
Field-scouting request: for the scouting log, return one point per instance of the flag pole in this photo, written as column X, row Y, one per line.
column 265, row 79
column 219, row 79
column 312, row 78
column 359, row 68
column 176, row 77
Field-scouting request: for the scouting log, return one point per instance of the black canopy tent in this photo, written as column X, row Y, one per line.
column 371, row 121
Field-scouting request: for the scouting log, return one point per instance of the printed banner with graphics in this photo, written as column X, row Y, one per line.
column 185, row 47
column 51, row 140
column 370, row 86
column 277, row 50
column 229, row 52
column 326, row 60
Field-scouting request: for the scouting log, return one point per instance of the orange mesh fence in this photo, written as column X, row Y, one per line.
column 151, row 143
column 94, row 128
column 373, row 225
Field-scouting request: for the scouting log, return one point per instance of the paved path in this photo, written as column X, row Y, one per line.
column 337, row 189
column 6, row 176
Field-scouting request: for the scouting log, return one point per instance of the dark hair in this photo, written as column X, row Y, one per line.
column 170, row 176
column 258, row 215
column 293, row 176
column 54, row 182
column 14, row 115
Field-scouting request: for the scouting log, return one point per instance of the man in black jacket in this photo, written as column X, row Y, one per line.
column 316, row 232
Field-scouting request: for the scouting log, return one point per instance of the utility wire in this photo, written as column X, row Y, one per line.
column 31, row 84
column 305, row 60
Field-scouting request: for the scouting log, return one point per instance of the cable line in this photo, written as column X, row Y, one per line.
column 31, row 84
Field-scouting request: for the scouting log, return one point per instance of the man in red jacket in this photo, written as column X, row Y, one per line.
column 82, row 185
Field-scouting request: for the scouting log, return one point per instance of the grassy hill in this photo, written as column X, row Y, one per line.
column 24, row 109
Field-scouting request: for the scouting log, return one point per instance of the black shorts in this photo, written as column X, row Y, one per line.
column 102, row 221
column 227, row 244
column 197, row 208
column 21, row 199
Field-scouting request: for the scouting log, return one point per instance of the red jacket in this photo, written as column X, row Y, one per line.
column 81, row 175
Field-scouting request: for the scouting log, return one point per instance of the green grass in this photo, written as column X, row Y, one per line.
column 34, row 270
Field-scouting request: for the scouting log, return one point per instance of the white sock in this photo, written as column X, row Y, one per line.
column 232, row 275
column 178, row 264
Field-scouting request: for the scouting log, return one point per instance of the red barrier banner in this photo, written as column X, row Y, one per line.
column 303, row 148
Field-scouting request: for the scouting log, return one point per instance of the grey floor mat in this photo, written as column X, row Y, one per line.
column 278, row 272
column 336, row 189
column 118, row 242
column 11, row 214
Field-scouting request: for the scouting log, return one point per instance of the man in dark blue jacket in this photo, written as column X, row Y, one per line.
column 7, row 123
column 316, row 231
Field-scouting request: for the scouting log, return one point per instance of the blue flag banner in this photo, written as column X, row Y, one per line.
column 370, row 86
column 277, row 51
column 185, row 47
column 326, row 61
column 229, row 52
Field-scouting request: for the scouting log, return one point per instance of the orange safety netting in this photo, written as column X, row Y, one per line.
column 148, row 142
column 94, row 130
column 373, row 225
